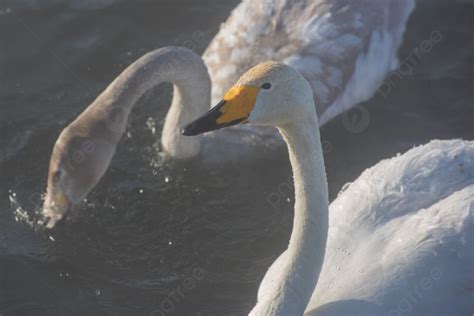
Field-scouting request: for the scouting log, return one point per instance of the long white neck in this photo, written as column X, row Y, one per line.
column 192, row 88
column 304, row 256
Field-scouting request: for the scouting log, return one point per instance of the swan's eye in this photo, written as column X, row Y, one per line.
column 56, row 175
column 266, row 86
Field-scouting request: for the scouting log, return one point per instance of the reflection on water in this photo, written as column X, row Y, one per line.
column 158, row 237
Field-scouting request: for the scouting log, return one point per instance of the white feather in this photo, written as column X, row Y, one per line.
column 344, row 48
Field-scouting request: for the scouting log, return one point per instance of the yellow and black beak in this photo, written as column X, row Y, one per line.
column 234, row 108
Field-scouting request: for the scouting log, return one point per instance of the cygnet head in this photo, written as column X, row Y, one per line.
column 78, row 161
column 269, row 94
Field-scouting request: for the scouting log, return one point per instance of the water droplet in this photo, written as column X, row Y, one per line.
column 151, row 125
column 141, row 191
column 51, row 238
column 167, row 179
column 338, row 268
column 340, row 249
column 97, row 292
column 348, row 253
column 288, row 200
column 170, row 243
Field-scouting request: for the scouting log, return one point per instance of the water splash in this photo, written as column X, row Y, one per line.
column 32, row 219
column 151, row 125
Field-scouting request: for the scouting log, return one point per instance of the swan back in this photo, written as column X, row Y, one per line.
column 343, row 48
column 400, row 235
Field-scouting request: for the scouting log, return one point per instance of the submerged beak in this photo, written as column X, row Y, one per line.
column 234, row 108
column 55, row 207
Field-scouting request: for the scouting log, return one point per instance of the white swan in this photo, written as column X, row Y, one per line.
column 344, row 48
column 84, row 149
column 400, row 237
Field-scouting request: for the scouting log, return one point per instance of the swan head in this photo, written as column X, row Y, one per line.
column 78, row 162
column 269, row 94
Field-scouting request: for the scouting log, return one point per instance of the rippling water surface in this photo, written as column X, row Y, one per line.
column 158, row 237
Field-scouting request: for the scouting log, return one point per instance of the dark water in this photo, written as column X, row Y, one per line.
column 158, row 237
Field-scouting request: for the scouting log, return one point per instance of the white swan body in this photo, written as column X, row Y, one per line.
column 344, row 48
column 404, row 226
column 400, row 237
